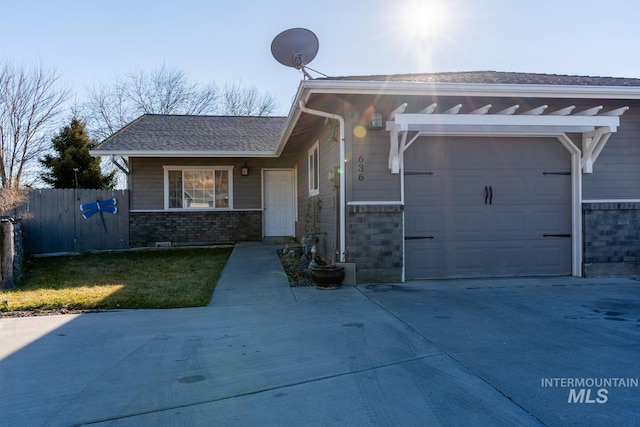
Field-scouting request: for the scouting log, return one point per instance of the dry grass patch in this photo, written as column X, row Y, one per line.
column 166, row 278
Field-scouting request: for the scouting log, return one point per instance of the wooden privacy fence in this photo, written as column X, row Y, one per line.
column 53, row 222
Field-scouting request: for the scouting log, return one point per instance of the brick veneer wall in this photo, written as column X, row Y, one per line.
column 611, row 239
column 375, row 242
column 194, row 228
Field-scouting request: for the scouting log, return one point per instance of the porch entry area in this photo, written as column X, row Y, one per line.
column 278, row 202
column 487, row 207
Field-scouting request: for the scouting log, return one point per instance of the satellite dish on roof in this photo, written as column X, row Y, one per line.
column 295, row 47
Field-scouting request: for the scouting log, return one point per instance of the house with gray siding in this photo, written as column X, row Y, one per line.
column 447, row 175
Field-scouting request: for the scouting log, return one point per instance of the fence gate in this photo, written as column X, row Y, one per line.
column 53, row 221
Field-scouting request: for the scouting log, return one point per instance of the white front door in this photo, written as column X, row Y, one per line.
column 278, row 203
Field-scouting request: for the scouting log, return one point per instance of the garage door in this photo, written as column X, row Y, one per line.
column 487, row 207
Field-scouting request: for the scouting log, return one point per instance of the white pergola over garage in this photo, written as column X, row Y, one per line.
column 594, row 124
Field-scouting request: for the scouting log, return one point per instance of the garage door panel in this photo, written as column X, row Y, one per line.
column 546, row 152
column 424, row 222
column 510, row 222
column 427, row 261
column 552, row 219
column 468, row 224
column 508, row 188
column 467, row 188
column 438, row 188
column 528, row 187
column 469, row 259
column 425, row 189
column 510, row 259
column 492, row 233
column 550, row 188
column 432, row 259
column 526, row 222
column 552, row 256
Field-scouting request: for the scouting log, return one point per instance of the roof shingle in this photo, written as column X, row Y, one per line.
column 158, row 133
column 497, row 77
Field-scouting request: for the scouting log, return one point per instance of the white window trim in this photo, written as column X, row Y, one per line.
column 198, row 168
column 314, row 148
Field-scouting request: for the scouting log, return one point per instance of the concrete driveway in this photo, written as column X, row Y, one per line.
column 529, row 339
column 475, row 352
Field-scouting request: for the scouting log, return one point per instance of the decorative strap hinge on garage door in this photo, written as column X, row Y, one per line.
column 417, row 173
column 595, row 127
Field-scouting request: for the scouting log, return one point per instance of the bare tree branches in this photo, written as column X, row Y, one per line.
column 30, row 101
column 166, row 91
column 246, row 101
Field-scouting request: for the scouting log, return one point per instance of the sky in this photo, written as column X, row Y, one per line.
column 93, row 42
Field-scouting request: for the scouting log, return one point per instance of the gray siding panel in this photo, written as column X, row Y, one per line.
column 371, row 179
column 616, row 173
column 146, row 184
column 329, row 150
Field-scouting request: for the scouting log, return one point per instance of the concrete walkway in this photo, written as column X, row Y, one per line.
column 253, row 275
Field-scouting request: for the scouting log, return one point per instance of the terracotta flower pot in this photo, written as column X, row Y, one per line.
column 327, row 276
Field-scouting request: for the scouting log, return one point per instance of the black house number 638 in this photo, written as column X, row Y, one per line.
column 361, row 168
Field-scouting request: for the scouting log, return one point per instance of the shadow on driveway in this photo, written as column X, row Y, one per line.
column 420, row 353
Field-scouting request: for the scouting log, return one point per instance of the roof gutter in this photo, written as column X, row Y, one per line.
column 140, row 153
column 343, row 193
column 470, row 89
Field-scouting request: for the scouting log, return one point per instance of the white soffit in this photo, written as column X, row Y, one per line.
column 595, row 126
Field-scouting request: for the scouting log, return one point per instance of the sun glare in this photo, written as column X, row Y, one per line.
column 423, row 20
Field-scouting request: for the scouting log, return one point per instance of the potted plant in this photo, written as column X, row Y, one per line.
column 327, row 276
column 324, row 275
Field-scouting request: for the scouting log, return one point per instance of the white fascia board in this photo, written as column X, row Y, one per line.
column 182, row 153
column 470, row 89
column 418, row 122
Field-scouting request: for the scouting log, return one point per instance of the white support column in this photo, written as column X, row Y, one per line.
column 394, row 161
column 401, row 149
column 576, row 205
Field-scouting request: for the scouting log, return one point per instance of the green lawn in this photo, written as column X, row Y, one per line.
column 163, row 278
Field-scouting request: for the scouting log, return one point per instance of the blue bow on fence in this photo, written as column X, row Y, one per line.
column 99, row 206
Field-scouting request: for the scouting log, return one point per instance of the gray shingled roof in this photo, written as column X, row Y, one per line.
column 177, row 133
column 153, row 133
column 496, row 77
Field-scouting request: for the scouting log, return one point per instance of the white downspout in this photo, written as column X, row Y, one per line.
column 343, row 196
